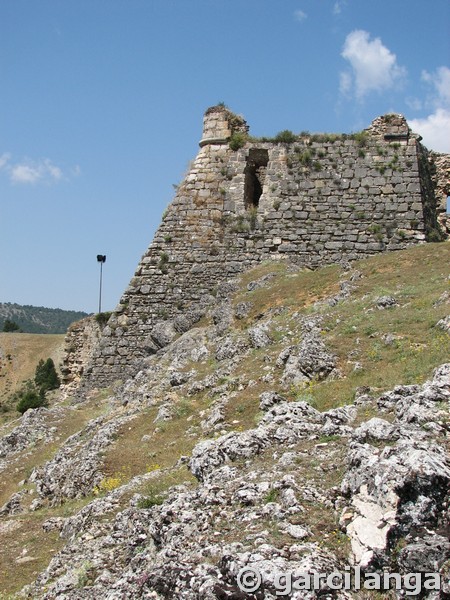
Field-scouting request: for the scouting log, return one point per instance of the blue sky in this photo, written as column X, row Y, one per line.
column 102, row 104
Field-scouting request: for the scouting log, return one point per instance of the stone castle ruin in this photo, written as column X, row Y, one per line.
column 313, row 199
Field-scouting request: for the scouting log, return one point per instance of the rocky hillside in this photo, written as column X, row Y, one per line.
column 296, row 421
column 38, row 319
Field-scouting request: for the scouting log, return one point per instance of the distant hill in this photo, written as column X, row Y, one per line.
column 38, row 319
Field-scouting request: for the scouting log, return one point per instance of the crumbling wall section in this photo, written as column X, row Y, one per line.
column 440, row 174
column 80, row 344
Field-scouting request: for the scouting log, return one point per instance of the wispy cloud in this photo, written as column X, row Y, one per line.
column 338, row 6
column 32, row 172
column 374, row 67
column 4, row 159
column 300, row 15
column 440, row 83
column 435, row 127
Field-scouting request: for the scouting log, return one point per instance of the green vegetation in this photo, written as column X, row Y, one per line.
column 37, row 319
column 30, row 399
column 152, row 499
column 238, row 140
column 361, row 138
column 285, row 137
column 102, row 318
column 252, row 216
column 272, row 496
column 163, row 262
column 33, row 393
column 10, row 326
column 305, row 157
column 400, row 345
column 46, row 377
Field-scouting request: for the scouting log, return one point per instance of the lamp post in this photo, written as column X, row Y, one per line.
column 101, row 258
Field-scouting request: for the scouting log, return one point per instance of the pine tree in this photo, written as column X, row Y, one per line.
column 46, row 378
column 10, row 326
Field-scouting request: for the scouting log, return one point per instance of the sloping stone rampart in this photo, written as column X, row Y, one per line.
column 318, row 200
column 81, row 342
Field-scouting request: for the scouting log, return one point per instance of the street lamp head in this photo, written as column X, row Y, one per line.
column 101, row 258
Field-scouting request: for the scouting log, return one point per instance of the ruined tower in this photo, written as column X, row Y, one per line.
column 314, row 199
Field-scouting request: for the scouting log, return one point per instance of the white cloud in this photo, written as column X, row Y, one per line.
column 374, row 67
column 434, row 129
column 34, row 172
column 345, row 83
column 24, row 174
column 440, row 81
column 300, row 15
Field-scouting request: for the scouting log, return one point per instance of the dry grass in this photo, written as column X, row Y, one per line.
column 416, row 278
column 26, row 550
column 296, row 290
column 19, row 355
column 168, row 440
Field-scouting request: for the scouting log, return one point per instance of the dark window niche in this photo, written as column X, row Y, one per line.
column 255, row 173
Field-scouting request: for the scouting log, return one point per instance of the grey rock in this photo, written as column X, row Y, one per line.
column 199, row 354
column 14, row 505
column 230, row 347
column 385, row 302
column 187, row 320
column 259, row 337
column 177, row 378
column 444, row 324
column 261, row 282
column 309, row 360
column 75, row 469
column 269, row 399
column 444, row 298
column 376, row 430
column 424, row 556
column 222, row 317
column 163, row 333
column 31, row 429
column 242, row 309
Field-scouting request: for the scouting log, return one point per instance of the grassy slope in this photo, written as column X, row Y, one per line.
column 353, row 329
column 19, row 355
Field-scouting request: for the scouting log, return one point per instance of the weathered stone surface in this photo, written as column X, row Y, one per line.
column 269, row 399
column 32, row 429
column 310, row 359
column 403, row 489
column 385, row 302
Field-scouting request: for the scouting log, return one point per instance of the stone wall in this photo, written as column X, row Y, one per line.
column 440, row 165
column 80, row 344
column 316, row 200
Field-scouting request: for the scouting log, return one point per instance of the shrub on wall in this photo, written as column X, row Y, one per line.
column 237, row 140
column 286, row 137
